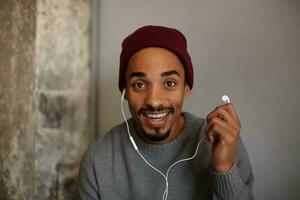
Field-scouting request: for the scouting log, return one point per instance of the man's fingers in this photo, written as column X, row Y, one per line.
column 216, row 127
column 221, row 113
column 231, row 110
column 226, row 112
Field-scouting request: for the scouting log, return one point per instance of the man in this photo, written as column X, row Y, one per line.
column 156, row 74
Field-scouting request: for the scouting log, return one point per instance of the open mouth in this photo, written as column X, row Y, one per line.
column 156, row 119
column 156, row 116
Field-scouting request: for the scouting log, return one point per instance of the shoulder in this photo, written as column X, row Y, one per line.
column 191, row 116
column 193, row 121
column 104, row 143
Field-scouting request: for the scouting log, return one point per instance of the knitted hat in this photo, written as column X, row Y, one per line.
column 156, row 36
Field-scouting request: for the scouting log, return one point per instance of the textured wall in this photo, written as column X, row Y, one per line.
column 17, row 75
column 44, row 95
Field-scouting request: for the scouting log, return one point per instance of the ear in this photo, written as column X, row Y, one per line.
column 187, row 90
column 125, row 95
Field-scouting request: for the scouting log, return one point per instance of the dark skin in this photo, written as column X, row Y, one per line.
column 223, row 130
column 156, row 86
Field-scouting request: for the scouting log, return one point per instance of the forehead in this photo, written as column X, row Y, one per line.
column 154, row 61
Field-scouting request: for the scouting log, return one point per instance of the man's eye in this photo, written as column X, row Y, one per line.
column 139, row 85
column 170, row 83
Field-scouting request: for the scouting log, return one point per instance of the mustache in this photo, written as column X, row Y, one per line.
column 160, row 108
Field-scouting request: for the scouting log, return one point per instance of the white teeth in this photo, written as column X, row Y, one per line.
column 157, row 116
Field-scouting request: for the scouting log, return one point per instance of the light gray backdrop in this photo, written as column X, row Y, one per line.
column 249, row 50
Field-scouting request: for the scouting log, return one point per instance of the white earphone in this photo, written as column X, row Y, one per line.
column 225, row 99
column 128, row 131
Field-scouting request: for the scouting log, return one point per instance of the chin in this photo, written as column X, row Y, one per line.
column 157, row 135
column 156, row 128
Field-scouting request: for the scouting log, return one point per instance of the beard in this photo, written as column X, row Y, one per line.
column 158, row 137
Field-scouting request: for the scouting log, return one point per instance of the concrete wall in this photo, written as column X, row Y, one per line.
column 44, row 96
column 17, row 75
column 246, row 49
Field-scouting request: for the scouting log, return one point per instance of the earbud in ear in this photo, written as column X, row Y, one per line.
column 123, row 93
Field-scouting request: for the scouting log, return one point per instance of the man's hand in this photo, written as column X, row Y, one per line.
column 223, row 129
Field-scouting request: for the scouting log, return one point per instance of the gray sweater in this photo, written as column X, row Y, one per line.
column 112, row 170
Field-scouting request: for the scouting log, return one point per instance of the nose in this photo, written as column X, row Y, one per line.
column 154, row 97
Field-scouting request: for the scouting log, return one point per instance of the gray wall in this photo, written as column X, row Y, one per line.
column 249, row 50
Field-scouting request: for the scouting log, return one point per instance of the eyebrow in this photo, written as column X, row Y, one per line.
column 142, row 74
column 137, row 74
column 169, row 73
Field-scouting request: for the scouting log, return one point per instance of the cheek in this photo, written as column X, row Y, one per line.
column 135, row 102
column 177, row 98
column 178, row 105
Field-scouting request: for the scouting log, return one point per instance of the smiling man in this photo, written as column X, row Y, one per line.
column 155, row 97
column 156, row 74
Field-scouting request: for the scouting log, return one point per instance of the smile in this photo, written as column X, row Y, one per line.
column 157, row 116
column 156, row 119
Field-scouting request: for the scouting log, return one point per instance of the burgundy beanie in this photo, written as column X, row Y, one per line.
column 156, row 36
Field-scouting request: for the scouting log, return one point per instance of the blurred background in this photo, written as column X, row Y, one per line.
column 59, row 74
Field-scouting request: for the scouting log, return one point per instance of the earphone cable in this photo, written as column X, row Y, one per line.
column 165, row 176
